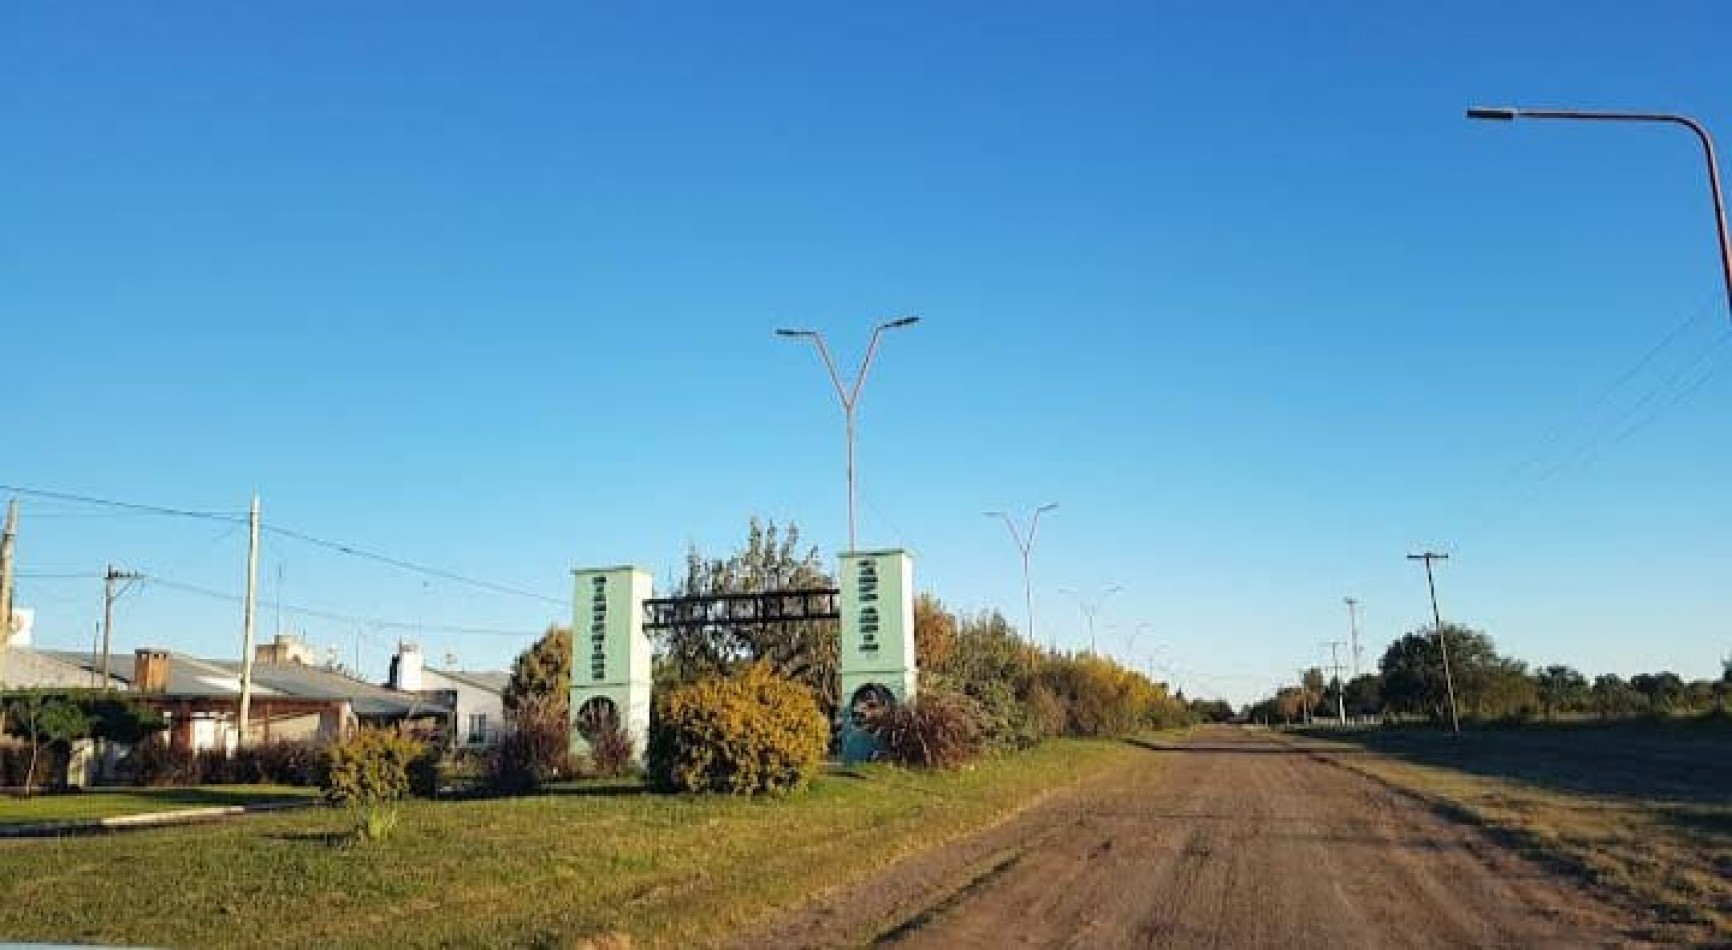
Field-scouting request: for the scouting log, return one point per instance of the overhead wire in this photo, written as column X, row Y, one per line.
column 122, row 505
column 1582, row 444
column 341, row 617
column 241, row 519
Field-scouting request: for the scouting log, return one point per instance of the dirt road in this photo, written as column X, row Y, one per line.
column 1232, row 838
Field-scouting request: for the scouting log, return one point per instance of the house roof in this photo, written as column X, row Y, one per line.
column 193, row 677
column 312, row 682
column 492, row 681
column 27, row 668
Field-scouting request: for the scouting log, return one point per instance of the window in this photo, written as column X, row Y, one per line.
column 477, row 727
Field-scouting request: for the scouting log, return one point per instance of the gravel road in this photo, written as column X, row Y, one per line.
column 1231, row 838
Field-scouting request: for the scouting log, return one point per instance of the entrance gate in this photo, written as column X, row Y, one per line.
column 615, row 614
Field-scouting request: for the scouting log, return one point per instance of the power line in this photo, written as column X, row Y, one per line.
column 400, row 564
column 241, row 519
column 1605, row 394
column 338, row 617
column 123, row 505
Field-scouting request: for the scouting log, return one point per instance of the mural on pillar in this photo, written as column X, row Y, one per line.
column 878, row 664
column 610, row 669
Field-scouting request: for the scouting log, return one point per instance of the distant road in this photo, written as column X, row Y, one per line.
column 1232, row 838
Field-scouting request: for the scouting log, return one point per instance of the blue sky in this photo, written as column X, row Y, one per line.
column 1235, row 284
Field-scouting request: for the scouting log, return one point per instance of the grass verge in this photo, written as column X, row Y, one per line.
column 109, row 803
column 548, row 870
column 1618, row 810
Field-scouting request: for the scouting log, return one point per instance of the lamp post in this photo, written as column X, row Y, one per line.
column 1507, row 113
column 849, row 395
column 1091, row 608
column 1024, row 546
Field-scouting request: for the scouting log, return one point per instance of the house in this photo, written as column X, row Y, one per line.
column 475, row 699
column 201, row 698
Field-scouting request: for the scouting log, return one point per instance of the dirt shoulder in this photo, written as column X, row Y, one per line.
column 1230, row 838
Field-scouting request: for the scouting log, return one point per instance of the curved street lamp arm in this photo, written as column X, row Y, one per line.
column 1505, row 113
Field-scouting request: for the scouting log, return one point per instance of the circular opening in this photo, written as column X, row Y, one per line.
column 597, row 716
column 868, row 701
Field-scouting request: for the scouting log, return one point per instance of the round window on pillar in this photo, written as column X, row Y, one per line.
column 869, row 701
column 598, row 716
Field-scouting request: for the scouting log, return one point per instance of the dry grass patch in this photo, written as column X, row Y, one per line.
column 1618, row 807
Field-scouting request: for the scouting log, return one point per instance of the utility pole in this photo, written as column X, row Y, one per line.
column 1353, row 631
column 109, row 595
column 1340, row 685
column 251, row 605
column 1305, row 697
column 1025, row 547
column 7, row 541
column 1437, row 625
column 850, row 396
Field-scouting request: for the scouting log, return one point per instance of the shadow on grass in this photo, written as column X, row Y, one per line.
column 335, row 839
column 1668, row 762
column 1266, row 747
column 620, row 789
column 167, row 799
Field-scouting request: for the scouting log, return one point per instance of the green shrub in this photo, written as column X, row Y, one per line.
column 938, row 729
column 369, row 772
column 744, row 734
column 371, row 766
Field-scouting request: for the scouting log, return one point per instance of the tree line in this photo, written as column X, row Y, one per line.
column 1489, row 687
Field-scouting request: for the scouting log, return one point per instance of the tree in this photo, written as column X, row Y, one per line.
column 1486, row 685
column 1364, row 695
column 1664, row 691
column 1211, row 710
column 1701, row 695
column 543, row 673
column 934, row 634
column 45, row 722
column 1611, row 696
column 806, row 652
column 1561, row 689
column 1312, row 685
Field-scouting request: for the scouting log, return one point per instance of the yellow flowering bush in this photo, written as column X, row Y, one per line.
column 750, row 733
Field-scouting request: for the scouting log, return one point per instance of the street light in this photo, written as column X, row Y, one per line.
column 850, row 395
column 1507, row 113
column 1091, row 608
column 1025, row 545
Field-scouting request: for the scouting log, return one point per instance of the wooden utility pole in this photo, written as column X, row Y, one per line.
column 109, row 595
column 1437, row 625
column 251, row 606
column 7, row 540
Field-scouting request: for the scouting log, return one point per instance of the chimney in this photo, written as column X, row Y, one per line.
column 406, row 668
column 150, row 670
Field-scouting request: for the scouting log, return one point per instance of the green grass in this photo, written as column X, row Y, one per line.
column 108, row 803
column 547, row 870
column 1641, row 810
